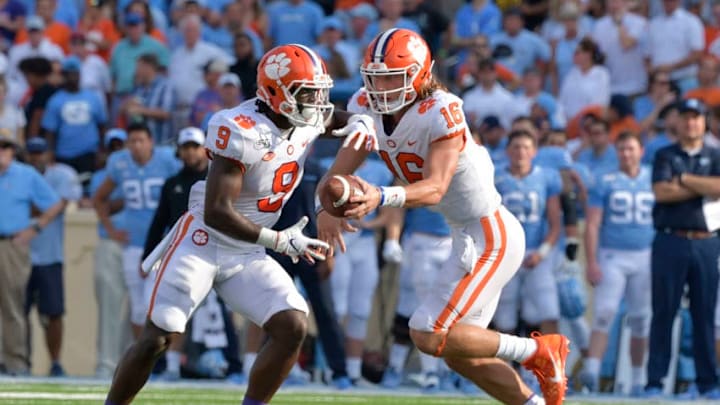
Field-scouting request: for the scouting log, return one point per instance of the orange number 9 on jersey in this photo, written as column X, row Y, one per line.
column 223, row 137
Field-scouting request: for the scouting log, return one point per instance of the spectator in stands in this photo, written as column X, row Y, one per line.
column 553, row 29
column 432, row 22
column 661, row 93
column 14, row 13
column 708, row 90
column 467, row 70
column 12, row 120
column 180, row 10
column 209, row 98
column 663, row 133
column 587, row 83
column 74, row 121
column 185, row 71
column 98, row 29
column 686, row 179
column 172, row 203
column 619, row 115
column 488, row 97
column 142, row 8
column 46, row 286
column 622, row 37
column 245, row 66
column 126, row 53
column 390, row 17
column 361, row 16
column 293, row 21
column 152, row 100
column 254, row 18
column 94, row 71
column 532, row 91
column 36, row 71
column 676, row 43
column 215, row 31
column 478, row 17
column 57, row 32
column 37, row 45
column 712, row 26
column 229, row 89
column 341, row 58
column 712, row 137
column 110, row 290
column 518, row 48
column 492, row 136
column 563, row 48
column 237, row 24
column 26, row 188
column 599, row 156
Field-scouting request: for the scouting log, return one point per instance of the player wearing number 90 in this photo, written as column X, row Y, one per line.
column 426, row 144
column 140, row 172
column 258, row 150
column 618, row 236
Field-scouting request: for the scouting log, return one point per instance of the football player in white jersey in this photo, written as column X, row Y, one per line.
column 258, row 149
column 426, row 143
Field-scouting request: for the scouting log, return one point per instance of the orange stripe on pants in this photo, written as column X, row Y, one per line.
column 179, row 235
column 462, row 286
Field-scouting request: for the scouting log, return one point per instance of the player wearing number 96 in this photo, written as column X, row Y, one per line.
column 140, row 172
column 618, row 236
column 258, row 150
column 426, row 144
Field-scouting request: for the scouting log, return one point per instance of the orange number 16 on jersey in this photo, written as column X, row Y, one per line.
column 454, row 117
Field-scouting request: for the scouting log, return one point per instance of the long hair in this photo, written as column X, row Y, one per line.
column 428, row 89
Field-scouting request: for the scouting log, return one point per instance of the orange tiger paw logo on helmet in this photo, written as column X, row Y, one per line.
column 277, row 66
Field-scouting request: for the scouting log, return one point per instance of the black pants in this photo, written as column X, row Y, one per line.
column 677, row 261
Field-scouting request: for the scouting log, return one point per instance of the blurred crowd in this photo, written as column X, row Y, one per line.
column 83, row 79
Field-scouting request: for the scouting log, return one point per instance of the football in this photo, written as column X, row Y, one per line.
column 336, row 193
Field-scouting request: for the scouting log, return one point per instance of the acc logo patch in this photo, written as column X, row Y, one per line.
column 200, row 237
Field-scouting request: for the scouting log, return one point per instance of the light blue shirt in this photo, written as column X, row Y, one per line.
column 219, row 36
column 553, row 157
column 47, row 247
column 598, row 165
column 141, row 186
column 125, row 55
column 498, row 154
column 118, row 220
column 374, row 28
column 74, row 118
column 564, row 53
column 527, row 48
column 294, row 24
column 422, row 220
column 470, row 23
column 652, row 146
column 21, row 187
column 627, row 205
column 527, row 197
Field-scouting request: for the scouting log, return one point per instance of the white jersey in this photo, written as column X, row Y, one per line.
column 471, row 194
column 272, row 162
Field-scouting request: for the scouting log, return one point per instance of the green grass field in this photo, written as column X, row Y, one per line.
column 80, row 393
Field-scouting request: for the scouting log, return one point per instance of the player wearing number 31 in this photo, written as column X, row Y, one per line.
column 426, row 144
column 258, row 150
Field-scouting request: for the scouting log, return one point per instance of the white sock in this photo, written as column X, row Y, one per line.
column 637, row 375
column 591, row 366
column 172, row 358
column 248, row 361
column 534, row 400
column 354, row 365
column 515, row 348
column 398, row 354
column 428, row 363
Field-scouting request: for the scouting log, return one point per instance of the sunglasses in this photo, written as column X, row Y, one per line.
column 6, row 146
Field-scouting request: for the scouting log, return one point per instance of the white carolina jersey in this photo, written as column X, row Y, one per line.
column 471, row 194
column 272, row 162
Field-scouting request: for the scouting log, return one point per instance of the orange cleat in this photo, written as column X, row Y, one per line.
column 548, row 365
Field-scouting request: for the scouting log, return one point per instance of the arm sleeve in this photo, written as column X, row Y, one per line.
column 596, row 194
column 446, row 118
column 237, row 139
column 662, row 168
column 160, row 221
column 554, row 182
column 71, row 190
column 43, row 195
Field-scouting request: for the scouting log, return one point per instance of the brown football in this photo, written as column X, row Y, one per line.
column 336, row 192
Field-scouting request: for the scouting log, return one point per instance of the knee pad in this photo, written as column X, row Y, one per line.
column 167, row 318
column 602, row 320
column 639, row 325
column 356, row 327
column 568, row 203
column 401, row 329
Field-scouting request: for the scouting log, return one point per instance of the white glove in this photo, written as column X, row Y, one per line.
column 292, row 242
column 360, row 129
column 392, row 251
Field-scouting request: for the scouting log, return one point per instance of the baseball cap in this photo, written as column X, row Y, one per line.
column 35, row 23
column 491, row 122
column 115, row 134
column 7, row 137
column 692, row 105
column 216, row 66
column 36, row 145
column 71, row 64
column 364, row 10
column 133, row 19
column 191, row 134
column 331, row 23
column 229, row 79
